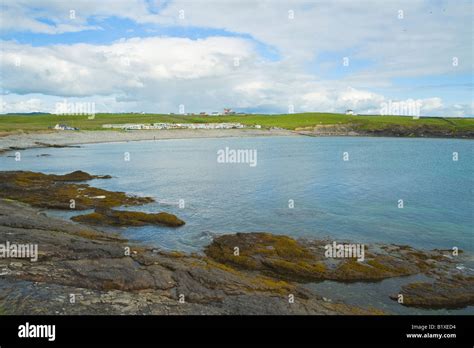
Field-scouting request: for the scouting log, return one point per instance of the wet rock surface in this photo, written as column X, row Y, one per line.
column 453, row 292
column 109, row 217
column 56, row 191
column 304, row 260
column 63, row 192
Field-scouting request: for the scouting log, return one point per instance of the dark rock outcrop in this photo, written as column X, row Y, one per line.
column 448, row 292
column 305, row 261
column 56, row 191
column 109, row 217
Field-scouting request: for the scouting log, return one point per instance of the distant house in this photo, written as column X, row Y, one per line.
column 228, row 112
column 215, row 113
column 64, row 127
column 350, row 112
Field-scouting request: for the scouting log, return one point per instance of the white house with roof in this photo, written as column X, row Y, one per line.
column 64, row 127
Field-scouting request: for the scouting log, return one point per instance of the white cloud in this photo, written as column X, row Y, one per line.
column 127, row 65
column 27, row 105
column 157, row 74
column 55, row 16
column 366, row 29
column 432, row 104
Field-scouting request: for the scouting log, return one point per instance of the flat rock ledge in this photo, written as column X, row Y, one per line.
column 304, row 261
column 68, row 192
column 52, row 191
column 453, row 292
column 110, row 217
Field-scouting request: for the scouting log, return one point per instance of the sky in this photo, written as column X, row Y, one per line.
column 256, row 56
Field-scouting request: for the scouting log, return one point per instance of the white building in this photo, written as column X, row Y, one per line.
column 64, row 127
column 129, row 126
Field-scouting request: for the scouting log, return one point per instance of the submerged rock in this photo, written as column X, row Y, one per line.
column 55, row 145
column 128, row 218
column 77, row 175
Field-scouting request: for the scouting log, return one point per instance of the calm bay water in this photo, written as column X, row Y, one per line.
column 353, row 200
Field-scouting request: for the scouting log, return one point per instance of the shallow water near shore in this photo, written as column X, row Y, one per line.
column 354, row 200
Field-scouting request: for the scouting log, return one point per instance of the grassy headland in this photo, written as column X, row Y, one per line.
column 303, row 121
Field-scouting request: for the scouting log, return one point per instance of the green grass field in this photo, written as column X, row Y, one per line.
column 12, row 123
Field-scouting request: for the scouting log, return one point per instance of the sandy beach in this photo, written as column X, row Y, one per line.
column 21, row 141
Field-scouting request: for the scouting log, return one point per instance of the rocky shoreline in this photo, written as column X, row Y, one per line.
column 83, row 270
column 23, row 141
column 55, row 139
column 421, row 131
column 107, row 274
